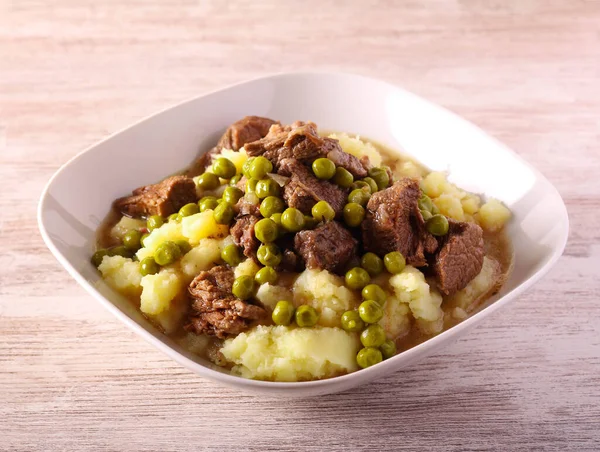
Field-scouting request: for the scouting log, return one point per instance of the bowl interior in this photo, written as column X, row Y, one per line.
column 80, row 194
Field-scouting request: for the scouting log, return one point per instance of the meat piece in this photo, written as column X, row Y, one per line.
column 291, row 262
column 393, row 222
column 302, row 142
column 243, row 234
column 162, row 199
column 215, row 310
column 460, row 257
column 304, row 190
column 329, row 247
column 246, row 207
column 246, row 130
column 250, row 128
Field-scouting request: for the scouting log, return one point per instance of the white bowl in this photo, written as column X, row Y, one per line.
column 79, row 195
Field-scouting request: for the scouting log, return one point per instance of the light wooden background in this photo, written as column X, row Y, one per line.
column 72, row 378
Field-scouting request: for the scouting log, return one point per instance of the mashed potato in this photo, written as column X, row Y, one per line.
column 122, row 274
column 269, row 295
column 281, row 353
column 159, row 290
column 358, row 148
column 246, row 268
column 396, row 319
column 200, row 258
column 125, row 225
column 424, row 302
column 201, row 226
column 326, row 293
column 493, row 215
column 168, row 231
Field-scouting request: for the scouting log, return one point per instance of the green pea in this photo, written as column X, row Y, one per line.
column 343, row 177
column 98, row 256
column 354, row 214
column 362, row 184
column 267, row 187
column 437, row 225
column 426, row 214
column 232, row 195
column 292, row 219
column 266, row 230
column 359, row 196
column 394, row 262
column 357, row 278
column 425, row 203
column 154, row 222
column 322, row 211
column 235, row 179
column 373, row 336
column 208, row 203
column 372, row 184
column 231, row 255
column 119, row 251
column 223, row 213
column 251, row 185
column 368, row 356
column 388, row 349
column 223, row 167
column 434, row 209
column 276, row 217
column 370, row 311
column 271, row 205
column 269, row 255
column 243, row 287
column 380, row 176
column 166, row 253
column 259, row 167
column 283, row 313
column 306, row 316
column 323, row 168
column 246, row 167
column 266, row 275
column 208, row 181
column 148, row 266
column 144, row 236
column 174, row 217
column 372, row 263
column 189, row 210
column 374, row 292
column 184, row 246
column 131, row 240
column 352, row 322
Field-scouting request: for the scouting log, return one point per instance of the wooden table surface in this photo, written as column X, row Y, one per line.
column 72, row 378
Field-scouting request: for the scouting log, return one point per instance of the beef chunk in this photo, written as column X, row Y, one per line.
column 162, row 199
column 243, row 234
column 304, row 190
column 291, row 262
column 302, row 142
column 393, row 222
column 215, row 310
column 460, row 257
column 246, row 207
column 246, row 130
column 329, row 246
column 250, row 128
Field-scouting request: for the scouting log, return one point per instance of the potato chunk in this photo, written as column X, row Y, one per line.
column 122, row 274
column 159, row 290
column 281, row 353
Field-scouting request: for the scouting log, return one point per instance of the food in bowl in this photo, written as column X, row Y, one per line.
column 284, row 254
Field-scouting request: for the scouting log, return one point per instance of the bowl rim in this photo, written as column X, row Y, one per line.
column 367, row 373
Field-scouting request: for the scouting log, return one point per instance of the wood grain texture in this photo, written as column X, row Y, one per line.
column 72, row 378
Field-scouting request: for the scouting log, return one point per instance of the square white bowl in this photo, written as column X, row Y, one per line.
column 80, row 194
